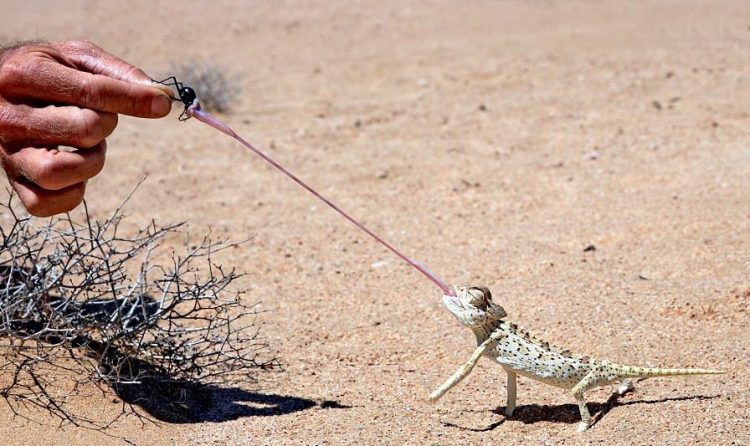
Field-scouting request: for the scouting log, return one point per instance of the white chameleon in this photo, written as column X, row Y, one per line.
column 522, row 354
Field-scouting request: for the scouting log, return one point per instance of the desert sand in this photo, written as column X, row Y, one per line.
column 492, row 140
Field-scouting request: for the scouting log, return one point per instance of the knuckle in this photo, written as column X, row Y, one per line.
column 130, row 71
column 88, row 131
column 48, row 173
column 12, row 72
column 133, row 73
column 91, row 93
column 136, row 105
column 7, row 118
column 13, row 121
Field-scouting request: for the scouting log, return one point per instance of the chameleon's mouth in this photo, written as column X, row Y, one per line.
column 453, row 304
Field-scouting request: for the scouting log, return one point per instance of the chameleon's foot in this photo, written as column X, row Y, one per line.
column 583, row 426
column 434, row 396
column 625, row 387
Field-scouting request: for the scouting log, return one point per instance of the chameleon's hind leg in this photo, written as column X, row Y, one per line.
column 625, row 387
column 592, row 379
column 510, row 406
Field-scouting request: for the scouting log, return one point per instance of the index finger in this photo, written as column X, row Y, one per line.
column 90, row 57
column 47, row 75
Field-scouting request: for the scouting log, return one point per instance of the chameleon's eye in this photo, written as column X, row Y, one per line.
column 486, row 292
column 477, row 297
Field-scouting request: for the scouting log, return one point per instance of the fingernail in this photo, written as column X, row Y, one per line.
column 160, row 106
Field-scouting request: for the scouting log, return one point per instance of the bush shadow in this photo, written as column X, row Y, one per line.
column 183, row 402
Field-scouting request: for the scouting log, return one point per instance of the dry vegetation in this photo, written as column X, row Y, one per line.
column 217, row 89
column 81, row 300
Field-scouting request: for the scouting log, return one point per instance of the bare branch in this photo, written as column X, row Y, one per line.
column 84, row 300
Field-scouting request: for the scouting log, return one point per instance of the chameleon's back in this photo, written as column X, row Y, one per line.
column 533, row 358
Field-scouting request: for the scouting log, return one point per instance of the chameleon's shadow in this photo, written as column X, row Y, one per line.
column 197, row 403
column 568, row 413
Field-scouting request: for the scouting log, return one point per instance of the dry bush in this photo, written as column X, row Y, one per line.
column 83, row 301
column 216, row 89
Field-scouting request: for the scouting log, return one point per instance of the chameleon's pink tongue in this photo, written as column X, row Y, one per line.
column 196, row 112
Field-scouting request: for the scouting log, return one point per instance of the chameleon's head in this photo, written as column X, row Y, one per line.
column 473, row 306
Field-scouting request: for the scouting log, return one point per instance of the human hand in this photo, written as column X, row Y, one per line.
column 68, row 94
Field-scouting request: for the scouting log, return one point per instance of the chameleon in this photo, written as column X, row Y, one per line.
column 520, row 353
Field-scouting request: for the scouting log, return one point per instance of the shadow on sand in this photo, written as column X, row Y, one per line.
column 196, row 403
column 567, row 413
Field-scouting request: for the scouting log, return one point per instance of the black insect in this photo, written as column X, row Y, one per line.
column 186, row 95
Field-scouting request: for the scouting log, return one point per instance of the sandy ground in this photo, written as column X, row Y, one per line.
column 493, row 140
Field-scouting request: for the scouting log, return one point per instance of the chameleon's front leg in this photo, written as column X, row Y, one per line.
column 464, row 370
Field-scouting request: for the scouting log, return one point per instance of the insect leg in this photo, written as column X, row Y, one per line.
column 172, row 81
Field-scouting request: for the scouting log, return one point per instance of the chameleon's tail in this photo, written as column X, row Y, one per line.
column 646, row 372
